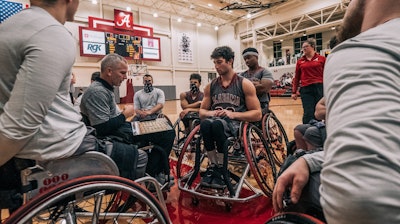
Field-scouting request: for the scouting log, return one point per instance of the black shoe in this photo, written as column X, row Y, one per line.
column 218, row 183
column 207, row 177
column 163, row 179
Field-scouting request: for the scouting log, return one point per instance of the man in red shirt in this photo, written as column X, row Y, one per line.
column 309, row 75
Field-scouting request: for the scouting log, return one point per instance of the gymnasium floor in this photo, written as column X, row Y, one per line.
column 179, row 204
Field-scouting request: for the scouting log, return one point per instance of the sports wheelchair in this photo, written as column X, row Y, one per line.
column 181, row 133
column 84, row 189
column 248, row 161
column 275, row 134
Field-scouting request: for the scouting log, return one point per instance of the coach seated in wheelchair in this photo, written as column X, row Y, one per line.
column 99, row 107
column 190, row 102
column 228, row 100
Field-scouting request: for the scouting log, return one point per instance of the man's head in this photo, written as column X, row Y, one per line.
column 147, row 79
column 352, row 20
column 223, row 58
column 333, row 42
column 95, row 75
column 195, row 82
column 195, row 78
column 61, row 10
column 250, row 56
column 114, row 69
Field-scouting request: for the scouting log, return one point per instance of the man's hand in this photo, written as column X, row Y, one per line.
column 230, row 114
column 128, row 111
column 294, row 178
column 219, row 113
column 183, row 113
column 140, row 113
column 256, row 82
column 294, row 96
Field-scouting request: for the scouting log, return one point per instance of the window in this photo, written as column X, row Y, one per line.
column 277, row 50
column 298, row 42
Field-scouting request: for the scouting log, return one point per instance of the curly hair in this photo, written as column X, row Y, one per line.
column 225, row 52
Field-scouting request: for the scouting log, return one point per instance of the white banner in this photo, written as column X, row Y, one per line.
column 185, row 48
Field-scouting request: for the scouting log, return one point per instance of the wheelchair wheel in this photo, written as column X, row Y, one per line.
column 180, row 137
column 185, row 167
column 260, row 158
column 293, row 218
column 93, row 199
column 275, row 134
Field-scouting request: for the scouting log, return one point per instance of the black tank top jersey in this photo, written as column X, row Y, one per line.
column 229, row 98
column 191, row 100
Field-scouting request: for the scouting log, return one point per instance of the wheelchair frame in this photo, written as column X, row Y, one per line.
column 60, row 190
column 181, row 134
column 276, row 135
column 293, row 218
column 248, row 153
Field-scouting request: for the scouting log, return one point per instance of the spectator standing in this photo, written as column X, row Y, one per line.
column 309, row 76
column 260, row 77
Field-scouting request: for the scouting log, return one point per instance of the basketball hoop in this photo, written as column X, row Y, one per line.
column 136, row 70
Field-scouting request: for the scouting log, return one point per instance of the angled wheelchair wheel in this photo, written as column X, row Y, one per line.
column 260, row 158
column 93, row 199
column 185, row 167
column 275, row 134
column 293, row 218
column 180, row 137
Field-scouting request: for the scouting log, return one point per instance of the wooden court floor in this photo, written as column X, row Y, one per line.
column 288, row 111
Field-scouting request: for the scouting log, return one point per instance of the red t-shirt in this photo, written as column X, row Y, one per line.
column 309, row 71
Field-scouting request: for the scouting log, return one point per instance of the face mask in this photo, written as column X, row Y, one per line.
column 148, row 87
column 193, row 88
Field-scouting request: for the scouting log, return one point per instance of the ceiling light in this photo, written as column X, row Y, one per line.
column 248, row 16
column 128, row 9
column 179, row 20
column 281, row 40
column 94, row 2
column 155, row 14
column 304, row 34
column 198, row 24
column 209, row 5
column 230, row 11
column 333, row 28
column 216, row 28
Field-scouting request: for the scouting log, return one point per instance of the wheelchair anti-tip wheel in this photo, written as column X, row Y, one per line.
column 180, row 137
